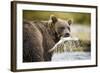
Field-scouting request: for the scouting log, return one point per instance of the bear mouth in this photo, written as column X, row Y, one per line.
column 67, row 35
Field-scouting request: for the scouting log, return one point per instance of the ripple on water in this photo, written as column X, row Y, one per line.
column 67, row 56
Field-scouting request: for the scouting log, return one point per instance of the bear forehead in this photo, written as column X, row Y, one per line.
column 61, row 22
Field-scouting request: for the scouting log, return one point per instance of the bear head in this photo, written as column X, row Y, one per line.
column 60, row 26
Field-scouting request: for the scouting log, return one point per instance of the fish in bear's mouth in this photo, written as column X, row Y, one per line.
column 63, row 41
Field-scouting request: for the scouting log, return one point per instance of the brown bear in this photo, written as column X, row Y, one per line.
column 40, row 36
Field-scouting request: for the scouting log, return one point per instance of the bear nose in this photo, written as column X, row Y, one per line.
column 67, row 35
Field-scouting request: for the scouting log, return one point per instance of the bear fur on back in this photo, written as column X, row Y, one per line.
column 38, row 39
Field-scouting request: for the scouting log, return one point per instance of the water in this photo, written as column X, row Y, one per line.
column 67, row 56
column 69, row 49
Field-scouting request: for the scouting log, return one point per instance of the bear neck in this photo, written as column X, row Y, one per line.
column 53, row 34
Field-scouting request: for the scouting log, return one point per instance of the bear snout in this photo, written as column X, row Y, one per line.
column 66, row 35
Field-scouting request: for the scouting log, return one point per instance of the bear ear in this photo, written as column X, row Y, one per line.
column 70, row 21
column 53, row 18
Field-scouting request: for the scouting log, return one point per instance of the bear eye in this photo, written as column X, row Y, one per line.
column 68, row 28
